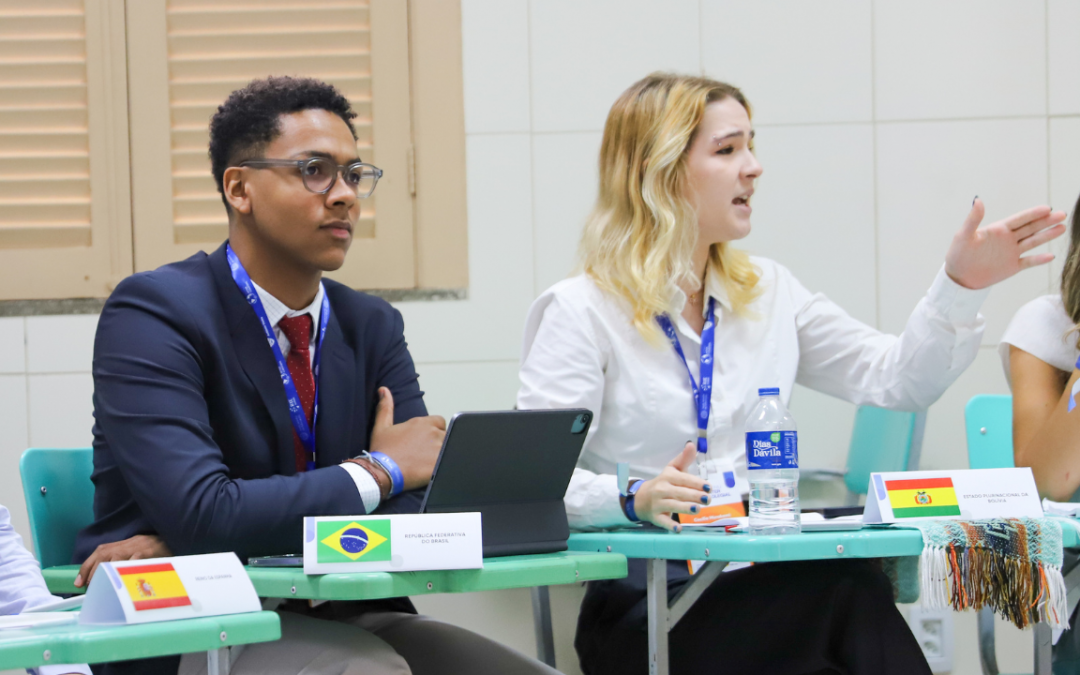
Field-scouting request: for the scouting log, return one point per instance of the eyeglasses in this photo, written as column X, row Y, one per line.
column 320, row 173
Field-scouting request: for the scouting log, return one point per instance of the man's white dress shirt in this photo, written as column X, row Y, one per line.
column 21, row 586
column 275, row 312
column 581, row 350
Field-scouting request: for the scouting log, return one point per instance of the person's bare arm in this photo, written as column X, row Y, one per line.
column 1046, row 437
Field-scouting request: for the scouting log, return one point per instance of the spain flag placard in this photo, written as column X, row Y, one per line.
column 344, row 541
column 154, row 586
column 922, row 498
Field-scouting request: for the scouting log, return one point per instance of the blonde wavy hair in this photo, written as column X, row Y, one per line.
column 641, row 235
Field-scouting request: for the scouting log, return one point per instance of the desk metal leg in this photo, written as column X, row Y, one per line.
column 1043, row 636
column 218, row 662
column 656, row 601
column 545, row 641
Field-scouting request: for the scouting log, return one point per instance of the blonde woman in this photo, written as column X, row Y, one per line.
column 677, row 173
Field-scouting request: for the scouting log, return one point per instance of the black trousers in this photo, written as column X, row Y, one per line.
column 835, row 616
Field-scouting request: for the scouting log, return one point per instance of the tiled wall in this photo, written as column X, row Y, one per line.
column 877, row 122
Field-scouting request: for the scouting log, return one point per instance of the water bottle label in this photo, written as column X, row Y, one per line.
column 772, row 449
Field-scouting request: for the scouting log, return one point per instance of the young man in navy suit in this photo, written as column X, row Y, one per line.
column 237, row 392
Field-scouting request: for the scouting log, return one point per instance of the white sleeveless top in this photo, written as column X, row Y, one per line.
column 1043, row 329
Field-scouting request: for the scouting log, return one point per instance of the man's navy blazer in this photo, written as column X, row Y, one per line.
column 192, row 435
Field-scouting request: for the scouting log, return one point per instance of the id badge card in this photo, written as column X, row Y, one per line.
column 725, row 500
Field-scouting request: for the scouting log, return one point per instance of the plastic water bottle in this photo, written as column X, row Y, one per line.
column 772, row 460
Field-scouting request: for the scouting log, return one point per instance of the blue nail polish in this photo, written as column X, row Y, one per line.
column 706, row 488
column 704, row 499
column 693, row 509
column 678, row 529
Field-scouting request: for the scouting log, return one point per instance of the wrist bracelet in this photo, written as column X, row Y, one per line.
column 628, row 505
column 397, row 479
column 368, row 465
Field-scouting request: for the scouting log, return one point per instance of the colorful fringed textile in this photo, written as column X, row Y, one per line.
column 1012, row 565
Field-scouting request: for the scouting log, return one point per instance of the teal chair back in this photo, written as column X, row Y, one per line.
column 988, row 423
column 882, row 440
column 59, row 499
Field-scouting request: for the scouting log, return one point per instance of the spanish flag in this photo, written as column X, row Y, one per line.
column 922, row 498
column 154, row 586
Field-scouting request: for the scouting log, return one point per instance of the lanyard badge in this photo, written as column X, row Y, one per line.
column 702, row 393
column 725, row 501
column 296, row 410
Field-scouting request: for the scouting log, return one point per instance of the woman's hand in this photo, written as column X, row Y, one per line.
column 980, row 258
column 673, row 491
column 139, row 547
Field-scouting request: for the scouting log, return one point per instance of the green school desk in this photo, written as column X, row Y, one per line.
column 658, row 547
column 72, row 643
column 524, row 571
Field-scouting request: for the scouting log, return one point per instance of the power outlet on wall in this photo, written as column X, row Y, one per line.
column 933, row 629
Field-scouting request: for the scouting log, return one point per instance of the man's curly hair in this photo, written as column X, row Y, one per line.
column 251, row 118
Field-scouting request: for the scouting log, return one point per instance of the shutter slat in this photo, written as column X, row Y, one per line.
column 57, row 235
column 61, row 95
column 336, row 38
column 44, row 135
column 228, row 19
column 44, row 187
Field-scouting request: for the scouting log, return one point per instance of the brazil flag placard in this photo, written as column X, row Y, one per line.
column 345, row 541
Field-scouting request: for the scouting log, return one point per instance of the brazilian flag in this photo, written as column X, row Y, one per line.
column 344, row 541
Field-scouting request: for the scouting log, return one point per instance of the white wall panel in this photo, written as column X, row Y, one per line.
column 565, row 187
column 814, row 210
column 796, row 61
column 1064, row 56
column 944, row 443
column 928, row 174
column 961, row 58
column 453, row 387
column 13, row 344
column 584, row 54
column 61, row 410
column 60, row 344
column 13, row 420
column 495, row 65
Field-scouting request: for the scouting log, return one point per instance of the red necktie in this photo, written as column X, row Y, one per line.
column 298, row 330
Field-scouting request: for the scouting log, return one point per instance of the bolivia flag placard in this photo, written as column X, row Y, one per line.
column 392, row 543
column 164, row 589
column 898, row 497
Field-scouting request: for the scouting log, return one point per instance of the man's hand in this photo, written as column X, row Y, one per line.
column 673, row 491
column 413, row 444
column 980, row 258
column 137, row 548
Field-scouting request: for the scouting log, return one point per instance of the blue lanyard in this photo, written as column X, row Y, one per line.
column 702, row 394
column 296, row 410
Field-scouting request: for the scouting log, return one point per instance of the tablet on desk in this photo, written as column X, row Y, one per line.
column 513, row 467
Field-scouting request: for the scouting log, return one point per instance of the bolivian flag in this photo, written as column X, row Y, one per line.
column 349, row 541
column 922, row 498
column 154, row 586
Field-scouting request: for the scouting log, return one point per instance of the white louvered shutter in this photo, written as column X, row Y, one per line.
column 64, row 211
column 193, row 53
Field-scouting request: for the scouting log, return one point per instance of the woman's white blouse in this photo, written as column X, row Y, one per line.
column 1043, row 329
column 581, row 350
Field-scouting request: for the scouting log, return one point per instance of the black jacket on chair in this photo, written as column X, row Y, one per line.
column 192, row 435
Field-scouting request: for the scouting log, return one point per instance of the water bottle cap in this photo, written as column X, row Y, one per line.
column 771, row 391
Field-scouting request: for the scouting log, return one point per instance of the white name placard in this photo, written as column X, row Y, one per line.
column 164, row 589
column 903, row 496
column 393, row 543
